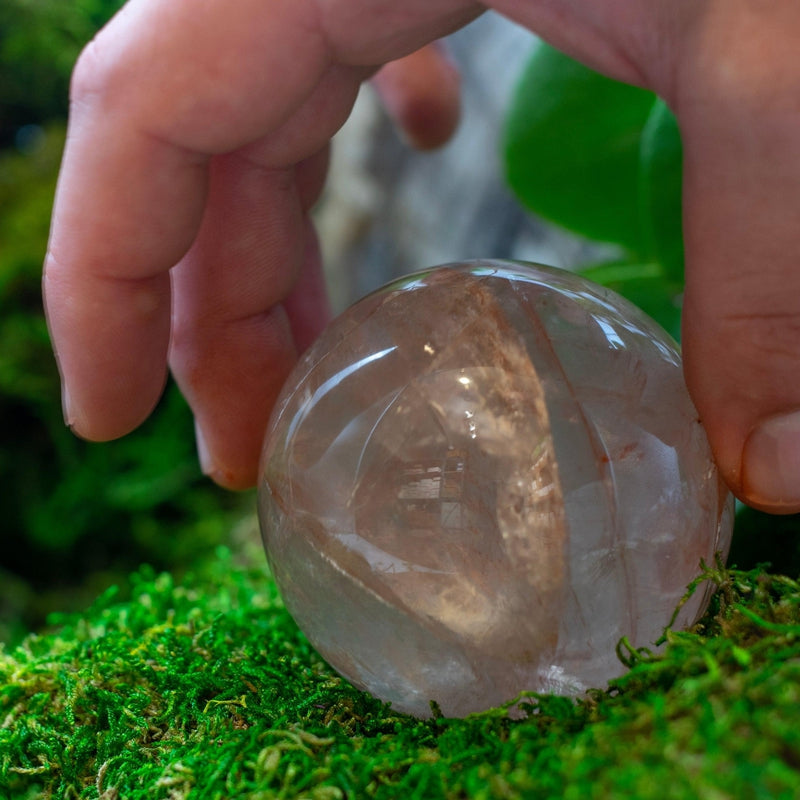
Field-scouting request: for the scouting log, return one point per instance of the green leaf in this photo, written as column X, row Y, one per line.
column 660, row 189
column 572, row 148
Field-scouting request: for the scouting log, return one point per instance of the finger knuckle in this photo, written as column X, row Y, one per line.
column 768, row 337
column 97, row 76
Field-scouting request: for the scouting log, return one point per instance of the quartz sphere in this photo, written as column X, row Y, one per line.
column 479, row 479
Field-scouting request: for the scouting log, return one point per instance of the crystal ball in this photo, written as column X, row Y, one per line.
column 482, row 477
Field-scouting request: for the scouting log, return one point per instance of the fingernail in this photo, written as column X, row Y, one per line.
column 67, row 409
column 203, row 454
column 211, row 467
column 771, row 465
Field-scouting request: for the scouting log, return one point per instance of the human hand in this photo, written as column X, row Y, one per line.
column 197, row 144
column 211, row 163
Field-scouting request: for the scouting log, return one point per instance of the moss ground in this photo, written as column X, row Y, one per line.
column 204, row 688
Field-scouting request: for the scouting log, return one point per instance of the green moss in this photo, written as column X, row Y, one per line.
column 206, row 689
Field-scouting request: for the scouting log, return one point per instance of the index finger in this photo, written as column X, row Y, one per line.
column 164, row 87
column 147, row 112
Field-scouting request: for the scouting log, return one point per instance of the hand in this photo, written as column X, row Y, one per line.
column 199, row 140
column 196, row 145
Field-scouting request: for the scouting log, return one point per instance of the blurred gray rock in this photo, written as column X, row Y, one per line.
column 389, row 210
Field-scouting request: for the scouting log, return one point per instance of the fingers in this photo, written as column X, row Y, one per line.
column 127, row 208
column 146, row 113
column 162, row 89
column 742, row 228
column 233, row 341
column 421, row 93
column 308, row 306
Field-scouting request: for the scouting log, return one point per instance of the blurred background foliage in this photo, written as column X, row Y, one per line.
column 75, row 516
column 594, row 156
column 39, row 42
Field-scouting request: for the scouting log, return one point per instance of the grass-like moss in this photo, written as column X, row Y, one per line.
column 204, row 688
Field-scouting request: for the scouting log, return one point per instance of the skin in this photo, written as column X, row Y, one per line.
column 198, row 141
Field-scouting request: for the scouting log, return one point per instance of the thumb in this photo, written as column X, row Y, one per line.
column 741, row 334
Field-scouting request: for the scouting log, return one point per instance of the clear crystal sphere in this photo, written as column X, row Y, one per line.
column 479, row 479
